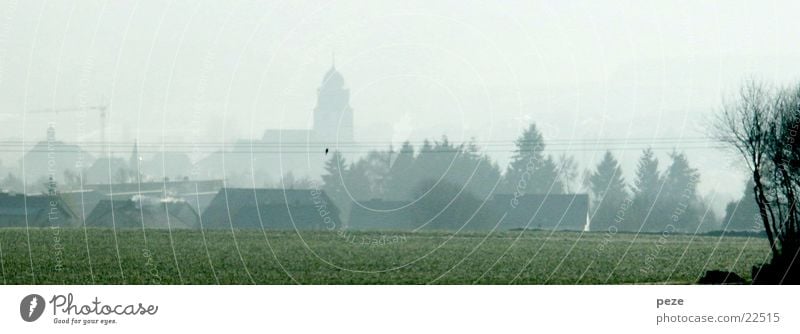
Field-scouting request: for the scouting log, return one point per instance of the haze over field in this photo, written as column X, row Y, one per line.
column 593, row 76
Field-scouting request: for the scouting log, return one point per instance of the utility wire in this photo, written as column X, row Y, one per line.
column 312, row 147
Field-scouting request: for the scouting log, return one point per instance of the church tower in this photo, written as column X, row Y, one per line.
column 333, row 117
column 51, row 134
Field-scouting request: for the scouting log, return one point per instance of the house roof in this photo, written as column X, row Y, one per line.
column 380, row 214
column 15, row 207
column 190, row 186
column 82, row 202
column 544, row 211
column 135, row 213
column 43, row 147
column 239, row 205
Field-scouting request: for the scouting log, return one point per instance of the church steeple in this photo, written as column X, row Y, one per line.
column 333, row 117
column 133, row 163
column 51, row 133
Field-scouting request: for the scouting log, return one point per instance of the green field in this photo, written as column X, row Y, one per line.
column 101, row 256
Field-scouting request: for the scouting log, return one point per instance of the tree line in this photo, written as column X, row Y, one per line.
column 441, row 174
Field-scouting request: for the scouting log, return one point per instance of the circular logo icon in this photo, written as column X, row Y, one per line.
column 31, row 307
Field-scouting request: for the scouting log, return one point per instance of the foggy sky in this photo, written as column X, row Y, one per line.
column 218, row 71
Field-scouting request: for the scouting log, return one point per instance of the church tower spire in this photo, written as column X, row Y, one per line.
column 333, row 116
column 134, row 162
column 51, row 133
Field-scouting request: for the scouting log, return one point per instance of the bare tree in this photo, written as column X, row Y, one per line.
column 761, row 124
column 568, row 172
column 784, row 158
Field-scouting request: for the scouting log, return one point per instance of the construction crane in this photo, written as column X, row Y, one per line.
column 100, row 107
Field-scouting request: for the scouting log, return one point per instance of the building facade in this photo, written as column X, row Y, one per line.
column 279, row 152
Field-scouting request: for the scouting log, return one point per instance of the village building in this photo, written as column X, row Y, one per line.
column 543, row 211
column 19, row 210
column 273, row 209
column 143, row 212
column 281, row 151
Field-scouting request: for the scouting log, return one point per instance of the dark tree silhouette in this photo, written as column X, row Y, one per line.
column 401, row 174
column 530, row 170
column 645, row 191
column 567, row 172
column 12, row 183
column 336, row 173
column 608, row 194
column 679, row 200
column 762, row 124
column 441, row 161
column 743, row 215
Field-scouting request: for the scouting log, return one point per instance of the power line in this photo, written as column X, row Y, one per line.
column 368, row 142
column 257, row 143
column 315, row 151
column 260, row 147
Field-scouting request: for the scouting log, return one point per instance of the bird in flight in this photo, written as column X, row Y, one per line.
column 326, row 151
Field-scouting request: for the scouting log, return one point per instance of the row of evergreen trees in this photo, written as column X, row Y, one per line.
column 657, row 201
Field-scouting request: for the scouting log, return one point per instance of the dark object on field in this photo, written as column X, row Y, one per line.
column 776, row 272
column 720, row 277
column 326, row 151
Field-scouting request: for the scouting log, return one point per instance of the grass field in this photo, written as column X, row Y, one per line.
column 100, row 256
